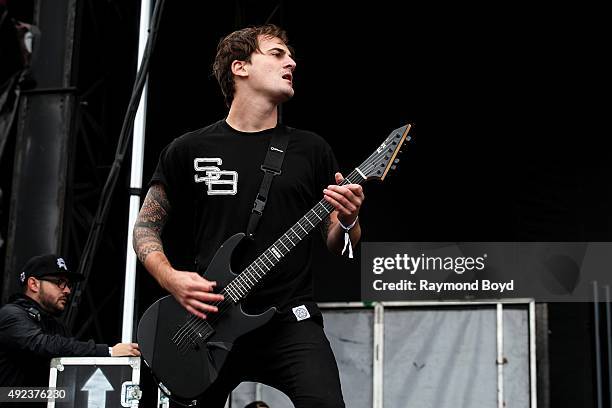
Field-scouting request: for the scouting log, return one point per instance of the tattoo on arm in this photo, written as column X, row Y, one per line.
column 324, row 226
column 150, row 222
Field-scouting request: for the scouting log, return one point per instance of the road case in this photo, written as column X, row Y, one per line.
column 100, row 382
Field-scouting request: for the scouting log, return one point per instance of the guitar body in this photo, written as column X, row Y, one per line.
column 187, row 361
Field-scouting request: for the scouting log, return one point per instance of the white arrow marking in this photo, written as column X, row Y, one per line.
column 97, row 386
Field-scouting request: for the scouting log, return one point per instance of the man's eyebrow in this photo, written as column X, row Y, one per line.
column 280, row 49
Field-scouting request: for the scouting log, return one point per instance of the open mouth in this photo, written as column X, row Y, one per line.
column 288, row 77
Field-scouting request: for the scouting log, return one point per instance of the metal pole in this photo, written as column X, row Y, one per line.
column 597, row 345
column 500, row 356
column 135, row 184
column 377, row 377
column 609, row 339
column 258, row 388
column 533, row 379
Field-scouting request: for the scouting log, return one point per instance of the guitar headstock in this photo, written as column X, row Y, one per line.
column 385, row 157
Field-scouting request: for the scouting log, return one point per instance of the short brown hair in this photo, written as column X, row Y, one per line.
column 239, row 45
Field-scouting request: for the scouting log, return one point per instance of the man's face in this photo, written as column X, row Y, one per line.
column 271, row 70
column 51, row 297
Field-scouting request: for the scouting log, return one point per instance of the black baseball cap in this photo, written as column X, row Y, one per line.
column 47, row 265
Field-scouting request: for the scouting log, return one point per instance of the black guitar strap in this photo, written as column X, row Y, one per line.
column 271, row 167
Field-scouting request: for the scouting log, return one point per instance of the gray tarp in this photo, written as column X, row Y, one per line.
column 433, row 358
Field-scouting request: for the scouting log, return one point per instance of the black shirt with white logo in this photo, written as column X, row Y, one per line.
column 213, row 175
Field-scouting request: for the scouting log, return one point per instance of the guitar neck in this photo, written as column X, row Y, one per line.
column 242, row 285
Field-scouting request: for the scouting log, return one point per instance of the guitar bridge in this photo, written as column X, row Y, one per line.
column 192, row 336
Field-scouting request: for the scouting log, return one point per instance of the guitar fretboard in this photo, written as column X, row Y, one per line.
column 242, row 285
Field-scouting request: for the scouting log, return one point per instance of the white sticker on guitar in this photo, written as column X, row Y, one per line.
column 301, row 313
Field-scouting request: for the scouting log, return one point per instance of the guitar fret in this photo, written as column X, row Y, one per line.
column 242, row 285
column 276, row 253
column 255, row 272
column 262, row 271
column 231, row 294
column 264, row 254
column 290, row 239
column 325, row 211
column 265, row 267
column 302, row 228
column 309, row 222
column 246, row 275
column 281, row 241
column 252, row 277
column 279, row 250
column 238, row 287
column 241, row 281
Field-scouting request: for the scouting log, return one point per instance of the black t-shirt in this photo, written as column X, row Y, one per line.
column 213, row 175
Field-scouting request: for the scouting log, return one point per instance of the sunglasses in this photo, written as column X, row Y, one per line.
column 61, row 283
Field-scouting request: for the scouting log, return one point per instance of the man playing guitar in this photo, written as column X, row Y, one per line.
column 214, row 175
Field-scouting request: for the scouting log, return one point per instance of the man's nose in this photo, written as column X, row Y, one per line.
column 290, row 63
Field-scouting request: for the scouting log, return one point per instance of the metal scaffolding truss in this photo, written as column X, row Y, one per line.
column 95, row 133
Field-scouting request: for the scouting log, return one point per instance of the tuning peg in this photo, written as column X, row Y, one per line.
column 396, row 161
column 393, row 167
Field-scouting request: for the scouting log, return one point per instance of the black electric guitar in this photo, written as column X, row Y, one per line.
column 186, row 353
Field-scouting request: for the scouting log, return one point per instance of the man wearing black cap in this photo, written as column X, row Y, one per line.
column 30, row 335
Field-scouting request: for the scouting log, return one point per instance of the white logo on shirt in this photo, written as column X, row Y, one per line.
column 213, row 178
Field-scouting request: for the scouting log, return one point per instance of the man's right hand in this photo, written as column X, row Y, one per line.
column 125, row 349
column 192, row 291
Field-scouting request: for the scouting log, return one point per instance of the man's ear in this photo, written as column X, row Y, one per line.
column 33, row 284
column 239, row 68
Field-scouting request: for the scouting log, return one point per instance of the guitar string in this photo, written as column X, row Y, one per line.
column 195, row 324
